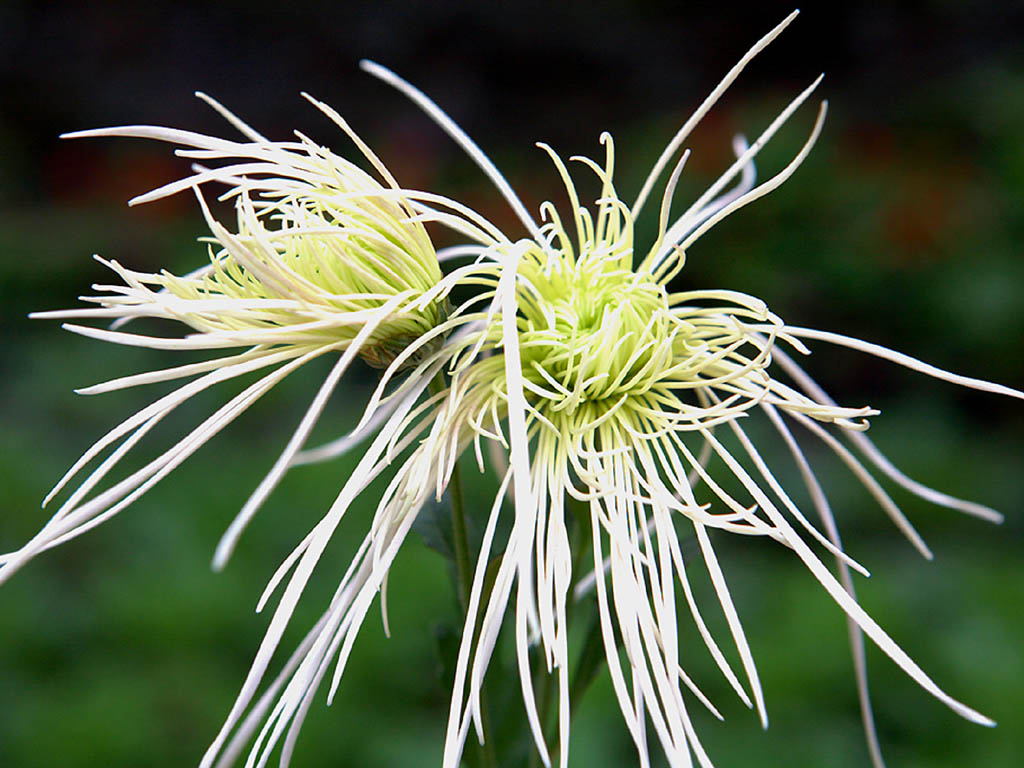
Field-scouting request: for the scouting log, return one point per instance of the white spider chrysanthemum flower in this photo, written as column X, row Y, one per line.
column 613, row 389
column 325, row 260
column 609, row 391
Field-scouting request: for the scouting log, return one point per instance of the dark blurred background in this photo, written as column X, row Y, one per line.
column 903, row 227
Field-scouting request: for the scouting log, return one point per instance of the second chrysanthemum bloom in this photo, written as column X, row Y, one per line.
column 323, row 259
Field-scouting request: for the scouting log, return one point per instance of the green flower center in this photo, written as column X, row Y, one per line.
column 590, row 331
column 306, row 264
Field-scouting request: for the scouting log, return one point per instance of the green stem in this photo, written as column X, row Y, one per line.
column 485, row 755
column 463, row 571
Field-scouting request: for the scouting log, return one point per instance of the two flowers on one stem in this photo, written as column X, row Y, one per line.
column 566, row 360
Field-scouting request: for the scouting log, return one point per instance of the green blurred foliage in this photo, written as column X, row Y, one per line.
column 904, row 228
